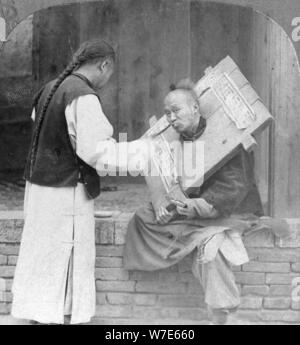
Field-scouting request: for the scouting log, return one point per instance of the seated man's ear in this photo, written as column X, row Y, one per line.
column 196, row 107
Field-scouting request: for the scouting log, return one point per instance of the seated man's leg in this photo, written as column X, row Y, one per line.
column 148, row 244
column 221, row 292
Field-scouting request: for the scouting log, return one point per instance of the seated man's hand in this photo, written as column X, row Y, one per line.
column 196, row 208
column 188, row 210
column 163, row 216
column 204, row 210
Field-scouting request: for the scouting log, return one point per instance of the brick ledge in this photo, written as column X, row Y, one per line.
column 171, row 295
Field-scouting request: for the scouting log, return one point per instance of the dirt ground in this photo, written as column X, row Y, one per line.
column 127, row 198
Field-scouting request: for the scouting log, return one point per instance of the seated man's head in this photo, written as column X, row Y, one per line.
column 182, row 107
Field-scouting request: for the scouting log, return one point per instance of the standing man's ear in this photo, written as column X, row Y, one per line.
column 102, row 65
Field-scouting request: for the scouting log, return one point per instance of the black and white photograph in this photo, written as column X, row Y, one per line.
column 149, row 165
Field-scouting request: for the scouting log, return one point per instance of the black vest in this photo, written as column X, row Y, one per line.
column 56, row 163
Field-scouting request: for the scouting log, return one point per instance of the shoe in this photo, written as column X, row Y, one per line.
column 218, row 317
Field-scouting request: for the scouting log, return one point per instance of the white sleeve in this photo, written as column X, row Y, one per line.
column 33, row 115
column 91, row 136
column 87, row 125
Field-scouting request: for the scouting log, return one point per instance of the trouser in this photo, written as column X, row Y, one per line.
column 218, row 282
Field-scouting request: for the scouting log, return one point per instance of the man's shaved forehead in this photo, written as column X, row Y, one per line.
column 188, row 95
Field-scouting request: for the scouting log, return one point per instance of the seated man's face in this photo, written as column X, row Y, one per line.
column 180, row 109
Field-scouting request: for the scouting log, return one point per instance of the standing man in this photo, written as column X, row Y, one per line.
column 55, row 272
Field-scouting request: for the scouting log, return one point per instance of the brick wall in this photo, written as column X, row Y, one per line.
column 172, row 294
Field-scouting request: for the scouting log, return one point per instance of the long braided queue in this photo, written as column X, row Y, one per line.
column 41, row 116
column 88, row 51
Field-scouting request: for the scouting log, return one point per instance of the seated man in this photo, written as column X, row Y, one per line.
column 210, row 225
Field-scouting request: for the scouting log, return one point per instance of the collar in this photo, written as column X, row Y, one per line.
column 200, row 130
column 85, row 79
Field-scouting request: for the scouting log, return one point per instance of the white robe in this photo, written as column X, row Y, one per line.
column 59, row 225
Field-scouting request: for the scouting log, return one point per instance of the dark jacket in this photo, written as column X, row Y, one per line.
column 232, row 189
column 56, row 163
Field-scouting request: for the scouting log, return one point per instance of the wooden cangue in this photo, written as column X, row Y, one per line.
column 235, row 115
